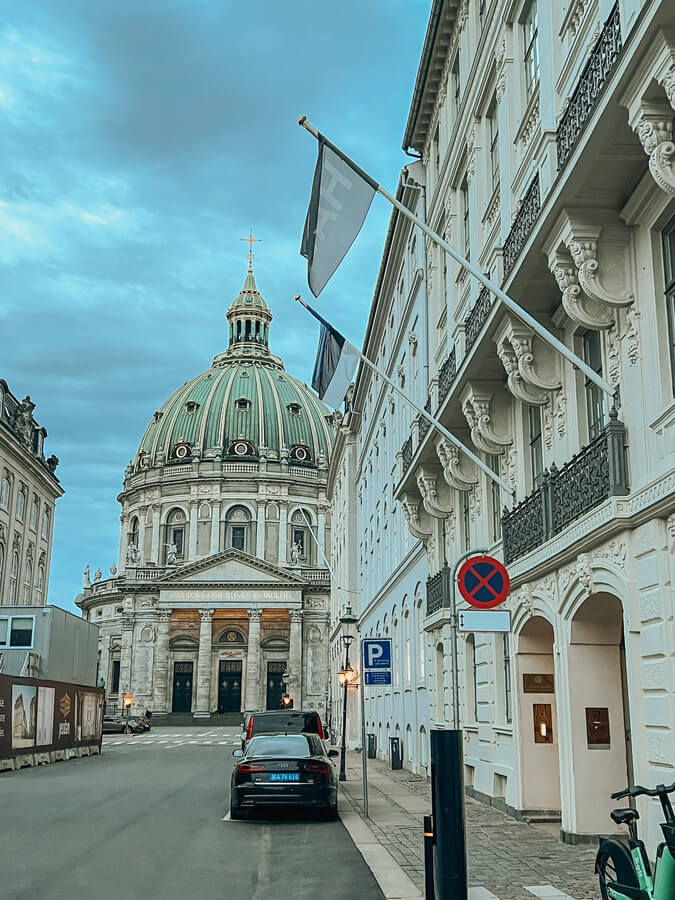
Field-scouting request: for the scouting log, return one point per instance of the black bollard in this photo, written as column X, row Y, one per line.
column 429, row 893
column 447, row 798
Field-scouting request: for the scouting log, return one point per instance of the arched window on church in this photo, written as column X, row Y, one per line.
column 300, row 537
column 175, row 535
column 238, row 529
column 133, row 532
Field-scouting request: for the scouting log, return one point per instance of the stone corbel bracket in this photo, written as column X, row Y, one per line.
column 516, row 350
column 579, row 308
column 582, row 243
column 426, row 483
column 478, row 412
column 450, row 459
column 650, row 117
column 410, row 506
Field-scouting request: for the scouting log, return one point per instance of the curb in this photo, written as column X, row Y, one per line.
column 393, row 881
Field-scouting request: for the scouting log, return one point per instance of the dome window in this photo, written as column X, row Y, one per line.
column 301, row 453
column 191, row 407
column 182, row 451
column 241, row 448
column 294, row 409
column 242, row 404
column 157, row 416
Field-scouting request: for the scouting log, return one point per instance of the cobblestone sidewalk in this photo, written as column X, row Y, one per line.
column 505, row 855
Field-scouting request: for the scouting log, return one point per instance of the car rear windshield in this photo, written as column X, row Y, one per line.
column 294, row 723
column 296, row 746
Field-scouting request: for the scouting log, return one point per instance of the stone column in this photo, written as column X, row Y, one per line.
column 215, row 528
column 125, row 657
column 122, row 559
column 141, row 532
column 192, row 538
column 203, row 710
column 253, row 662
column 260, row 533
column 294, row 667
column 160, row 700
column 283, row 529
column 155, row 548
column 321, row 535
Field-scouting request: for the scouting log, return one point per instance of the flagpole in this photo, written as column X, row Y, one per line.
column 517, row 310
column 427, row 415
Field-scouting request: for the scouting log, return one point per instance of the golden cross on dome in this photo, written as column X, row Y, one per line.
column 250, row 240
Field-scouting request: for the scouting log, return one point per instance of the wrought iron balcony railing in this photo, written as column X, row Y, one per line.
column 407, row 454
column 597, row 472
column 522, row 226
column 591, row 82
column 438, row 591
column 424, row 424
column 446, row 375
column 474, row 321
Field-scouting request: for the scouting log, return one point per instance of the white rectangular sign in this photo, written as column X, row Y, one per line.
column 484, row 620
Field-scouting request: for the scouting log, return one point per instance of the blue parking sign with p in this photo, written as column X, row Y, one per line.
column 377, row 653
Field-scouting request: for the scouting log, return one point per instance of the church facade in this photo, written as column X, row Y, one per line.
column 219, row 601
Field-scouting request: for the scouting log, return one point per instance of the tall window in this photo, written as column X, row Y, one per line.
column 299, row 540
column 471, row 679
column 133, row 534
column 456, row 86
column 2, row 567
column 34, row 513
column 493, row 136
column 536, row 457
column 407, row 622
column 422, row 640
column 4, row 492
column 669, row 272
column 492, row 459
column 531, row 45
column 437, row 152
column 115, row 677
column 14, row 578
column 40, row 586
column 27, row 583
column 21, row 504
column 506, row 659
column 175, row 537
column 595, row 398
column 466, row 218
column 46, row 521
column 237, row 528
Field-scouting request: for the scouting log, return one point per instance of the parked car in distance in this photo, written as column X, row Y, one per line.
column 113, row 724
column 284, row 770
column 281, row 721
column 135, row 725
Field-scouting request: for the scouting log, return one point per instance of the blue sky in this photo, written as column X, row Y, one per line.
column 141, row 141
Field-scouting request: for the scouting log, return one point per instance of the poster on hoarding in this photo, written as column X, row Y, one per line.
column 24, row 716
column 45, row 717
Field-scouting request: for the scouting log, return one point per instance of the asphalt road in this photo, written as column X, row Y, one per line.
column 145, row 820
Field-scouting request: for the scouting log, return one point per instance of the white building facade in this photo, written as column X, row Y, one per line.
column 545, row 131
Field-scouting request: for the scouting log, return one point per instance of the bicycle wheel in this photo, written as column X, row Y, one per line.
column 606, row 870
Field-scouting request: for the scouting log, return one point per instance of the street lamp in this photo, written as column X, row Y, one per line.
column 345, row 676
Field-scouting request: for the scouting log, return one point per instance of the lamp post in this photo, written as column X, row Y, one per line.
column 345, row 676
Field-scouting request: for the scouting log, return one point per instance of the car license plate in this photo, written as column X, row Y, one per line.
column 284, row 776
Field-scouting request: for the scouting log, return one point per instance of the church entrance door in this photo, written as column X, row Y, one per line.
column 229, row 686
column 275, row 684
column 182, row 687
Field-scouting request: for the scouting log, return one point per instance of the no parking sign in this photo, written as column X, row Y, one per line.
column 483, row 582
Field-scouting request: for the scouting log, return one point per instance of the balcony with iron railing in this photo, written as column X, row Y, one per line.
column 438, row 591
column 591, row 82
column 522, row 225
column 593, row 475
column 446, row 375
column 407, row 454
column 476, row 318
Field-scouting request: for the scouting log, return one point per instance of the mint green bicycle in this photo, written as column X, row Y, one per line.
column 623, row 868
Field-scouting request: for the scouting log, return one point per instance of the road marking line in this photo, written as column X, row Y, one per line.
column 207, row 742
column 547, row 890
column 162, row 742
column 223, row 742
column 481, row 893
column 147, row 742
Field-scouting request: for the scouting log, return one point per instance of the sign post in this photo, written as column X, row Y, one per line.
column 376, row 668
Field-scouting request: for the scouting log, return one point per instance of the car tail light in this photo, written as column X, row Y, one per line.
column 249, row 729
column 319, row 730
column 317, row 768
column 247, row 768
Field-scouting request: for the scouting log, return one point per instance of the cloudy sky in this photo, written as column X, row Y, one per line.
column 141, row 141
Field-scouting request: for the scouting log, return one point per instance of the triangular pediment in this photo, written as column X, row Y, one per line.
column 233, row 567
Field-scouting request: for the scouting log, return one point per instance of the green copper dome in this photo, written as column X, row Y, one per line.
column 246, row 404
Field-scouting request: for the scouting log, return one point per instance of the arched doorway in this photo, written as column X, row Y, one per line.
column 600, row 716
column 538, row 717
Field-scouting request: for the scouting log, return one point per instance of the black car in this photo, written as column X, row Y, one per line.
column 283, row 721
column 113, row 725
column 284, row 770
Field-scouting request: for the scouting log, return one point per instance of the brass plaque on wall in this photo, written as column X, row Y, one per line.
column 538, row 684
column 597, row 728
column 543, row 723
